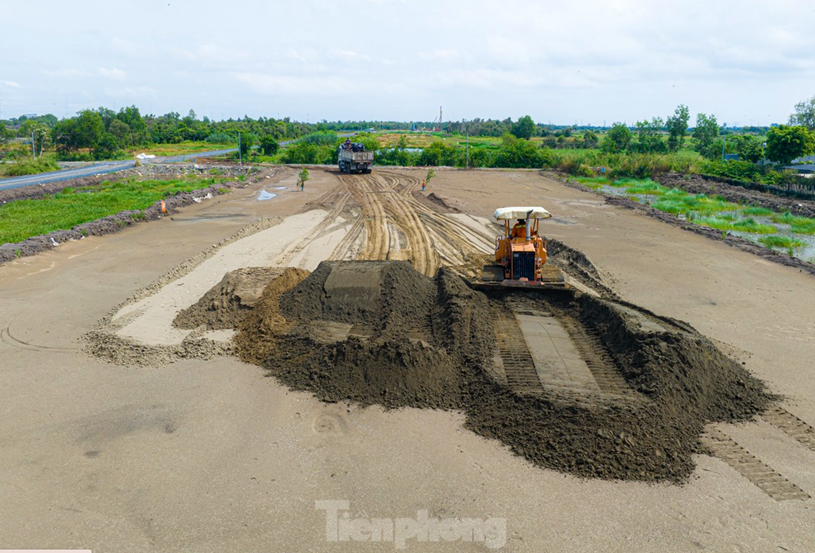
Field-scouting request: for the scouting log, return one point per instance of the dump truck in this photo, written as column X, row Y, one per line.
column 353, row 158
column 520, row 253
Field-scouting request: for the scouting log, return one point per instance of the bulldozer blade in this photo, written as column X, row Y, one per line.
column 492, row 273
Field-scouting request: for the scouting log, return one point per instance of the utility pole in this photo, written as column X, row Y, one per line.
column 240, row 155
column 724, row 140
column 467, row 130
column 33, row 150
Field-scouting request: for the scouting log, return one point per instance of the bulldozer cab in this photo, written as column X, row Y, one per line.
column 520, row 252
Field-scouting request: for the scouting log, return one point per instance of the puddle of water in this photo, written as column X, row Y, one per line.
column 265, row 196
column 280, row 187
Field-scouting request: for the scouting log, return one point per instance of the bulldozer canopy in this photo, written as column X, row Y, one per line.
column 504, row 213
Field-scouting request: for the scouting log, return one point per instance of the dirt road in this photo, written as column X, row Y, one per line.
column 211, row 456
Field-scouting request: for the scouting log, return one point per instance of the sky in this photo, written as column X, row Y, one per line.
column 748, row 62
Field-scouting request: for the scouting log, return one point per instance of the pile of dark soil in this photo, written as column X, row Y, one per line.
column 685, row 383
column 381, row 333
column 577, row 265
column 258, row 331
column 225, row 305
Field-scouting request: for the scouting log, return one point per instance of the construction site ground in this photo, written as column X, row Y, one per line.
column 174, row 446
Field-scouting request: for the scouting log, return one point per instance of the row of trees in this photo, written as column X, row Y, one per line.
column 104, row 132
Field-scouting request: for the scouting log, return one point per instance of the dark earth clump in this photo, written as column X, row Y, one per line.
column 225, row 305
column 577, row 265
column 381, row 333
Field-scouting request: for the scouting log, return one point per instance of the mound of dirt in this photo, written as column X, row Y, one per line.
column 258, row 330
column 381, row 333
column 684, row 383
column 577, row 265
column 226, row 304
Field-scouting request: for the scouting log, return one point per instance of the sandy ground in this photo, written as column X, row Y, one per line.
column 212, row 456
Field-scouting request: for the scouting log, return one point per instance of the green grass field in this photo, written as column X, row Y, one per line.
column 181, row 148
column 62, row 211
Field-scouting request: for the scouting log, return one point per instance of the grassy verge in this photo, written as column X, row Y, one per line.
column 29, row 166
column 73, row 206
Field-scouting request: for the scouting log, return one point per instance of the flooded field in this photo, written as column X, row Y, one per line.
column 783, row 232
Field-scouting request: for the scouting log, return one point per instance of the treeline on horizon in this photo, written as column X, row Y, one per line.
column 647, row 147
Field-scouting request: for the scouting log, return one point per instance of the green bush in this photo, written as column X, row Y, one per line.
column 29, row 166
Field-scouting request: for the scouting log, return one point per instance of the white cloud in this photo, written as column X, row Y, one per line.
column 10, row 84
column 115, row 74
column 330, row 86
column 612, row 59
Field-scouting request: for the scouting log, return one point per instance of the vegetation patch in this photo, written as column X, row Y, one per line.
column 684, row 204
column 646, row 186
column 780, row 241
column 29, row 166
column 73, row 206
column 798, row 225
column 595, row 183
column 743, row 225
column 756, row 211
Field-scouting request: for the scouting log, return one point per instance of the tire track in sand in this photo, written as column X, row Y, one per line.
column 422, row 253
column 377, row 235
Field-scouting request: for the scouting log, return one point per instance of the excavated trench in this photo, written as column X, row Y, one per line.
column 588, row 386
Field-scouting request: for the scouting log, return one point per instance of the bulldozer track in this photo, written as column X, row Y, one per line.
column 422, row 253
column 518, row 364
column 600, row 363
column 753, row 469
column 791, row 425
column 388, row 209
column 338, row 198
column 377, row 235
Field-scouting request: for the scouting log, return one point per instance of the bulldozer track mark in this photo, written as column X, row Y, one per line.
column 791, row 425
column 600, row 363
column 519, row 367
column 7, row 338
column 423, row 254
column 611, row 388
column 382, row 204
column 339, row 199
column 753, row 469
column 377, row 238
column 351, row 237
